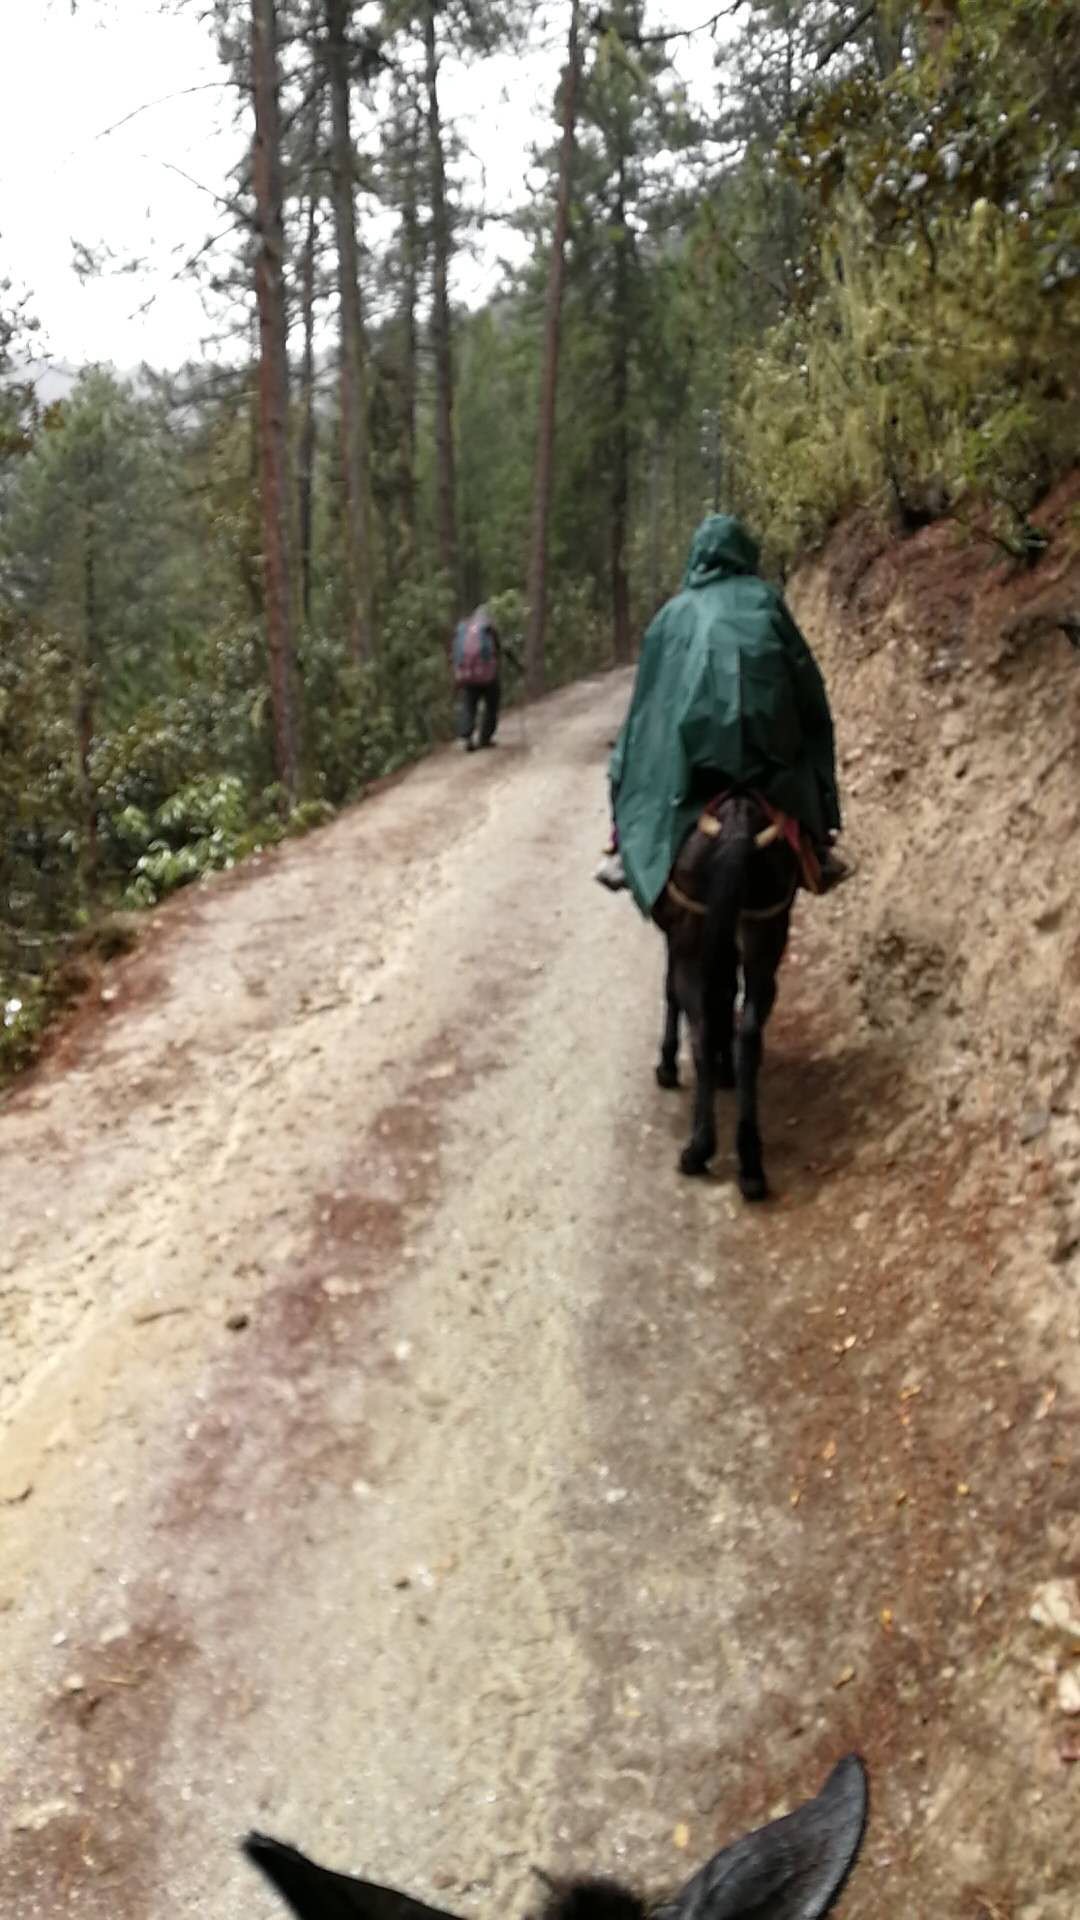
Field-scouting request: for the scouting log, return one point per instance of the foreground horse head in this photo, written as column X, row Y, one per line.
column 725, row 912
column 791, row 1869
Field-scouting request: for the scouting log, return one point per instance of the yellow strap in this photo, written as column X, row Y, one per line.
column 710, row 825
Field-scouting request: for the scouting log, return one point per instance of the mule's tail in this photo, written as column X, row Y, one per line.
column 725, row 898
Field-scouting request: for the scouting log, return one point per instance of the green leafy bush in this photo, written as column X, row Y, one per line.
column 933, row 351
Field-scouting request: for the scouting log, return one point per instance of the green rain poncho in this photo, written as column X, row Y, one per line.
column 727, row 687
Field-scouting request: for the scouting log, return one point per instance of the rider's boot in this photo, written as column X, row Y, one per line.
column 610, row 872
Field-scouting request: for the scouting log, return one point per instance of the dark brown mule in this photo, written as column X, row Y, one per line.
column 725, row 913
column 792, row 1869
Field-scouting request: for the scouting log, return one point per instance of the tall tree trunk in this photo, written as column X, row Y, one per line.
column 410, row 293
column 789, row 24
column 85, row 700
column 355, row 436
column 536, row 586
column 655, row 482
column 249, row 546
column 888, row 35
column 446, row 502
column 620, row 393
column 306, row 451
column 273, row 387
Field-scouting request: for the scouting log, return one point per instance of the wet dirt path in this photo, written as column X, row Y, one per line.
column 400, row 1457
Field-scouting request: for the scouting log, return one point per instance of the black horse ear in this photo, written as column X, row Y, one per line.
column 314, row 1893
column 792, row 1869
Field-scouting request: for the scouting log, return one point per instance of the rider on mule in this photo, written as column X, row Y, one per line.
column 727, row 695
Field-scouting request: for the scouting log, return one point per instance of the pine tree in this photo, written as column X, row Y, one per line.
column 274, row 485
column 536, row 588
column 352, row 351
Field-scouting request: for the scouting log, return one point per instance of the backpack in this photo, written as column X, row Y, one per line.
column 476, row 662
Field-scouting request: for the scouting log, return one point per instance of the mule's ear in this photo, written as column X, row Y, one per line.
column 314, row 1893
column 792, row 1869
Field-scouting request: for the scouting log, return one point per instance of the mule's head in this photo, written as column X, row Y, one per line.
column 791, row 1869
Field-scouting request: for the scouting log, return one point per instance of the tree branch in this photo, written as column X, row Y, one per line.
column 233, row 206
column 753, row 273
column 192, row 261
column 600, row 23
column 842, row 39
column 163, row 100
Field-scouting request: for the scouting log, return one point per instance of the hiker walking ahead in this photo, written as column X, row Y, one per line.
column 477, row 662
column 727, row 695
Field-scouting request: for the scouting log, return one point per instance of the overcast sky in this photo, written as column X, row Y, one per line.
column 70, row 77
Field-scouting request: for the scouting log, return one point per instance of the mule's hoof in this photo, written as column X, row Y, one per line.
column 753, row 1186
column 667, row 1077
column 693, row 1162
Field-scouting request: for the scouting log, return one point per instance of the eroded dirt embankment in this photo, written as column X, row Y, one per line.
column 956, row 679
column 952, row 965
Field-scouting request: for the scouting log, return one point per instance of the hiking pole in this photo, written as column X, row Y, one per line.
column 515, row 661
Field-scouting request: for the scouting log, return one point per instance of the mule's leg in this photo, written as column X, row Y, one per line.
column 760, row 975
column 701, row 1145
column 667, row 1071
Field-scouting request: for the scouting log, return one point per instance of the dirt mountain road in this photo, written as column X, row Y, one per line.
column 401, row 1458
